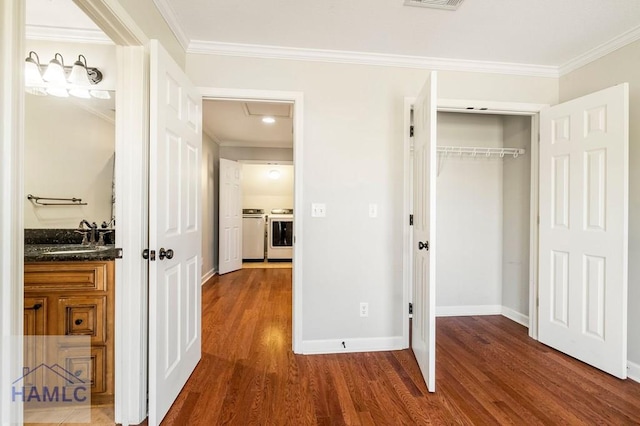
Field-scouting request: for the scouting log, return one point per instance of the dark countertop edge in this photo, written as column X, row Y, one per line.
column 103, row 255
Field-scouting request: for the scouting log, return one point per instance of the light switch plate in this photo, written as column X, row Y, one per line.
column 373, row 210
column 318, row 210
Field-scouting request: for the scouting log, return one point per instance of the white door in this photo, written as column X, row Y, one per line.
column 583, row 228
column 174, row 231
column 424, row 230
column 230, row 258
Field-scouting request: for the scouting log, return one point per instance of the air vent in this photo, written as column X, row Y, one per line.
column 436, row 4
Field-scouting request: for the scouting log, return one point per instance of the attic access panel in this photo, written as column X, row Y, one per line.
column 435, row 4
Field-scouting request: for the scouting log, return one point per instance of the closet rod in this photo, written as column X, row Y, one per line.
column 477, row 150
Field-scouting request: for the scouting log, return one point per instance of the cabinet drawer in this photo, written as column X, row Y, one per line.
column 90, row 370
column 83, row 316
column 62, row 276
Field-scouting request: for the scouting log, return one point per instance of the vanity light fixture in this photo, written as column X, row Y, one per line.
column 53, row 79
column 268, row 120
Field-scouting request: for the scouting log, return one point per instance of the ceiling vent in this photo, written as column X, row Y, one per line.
column 435, row 4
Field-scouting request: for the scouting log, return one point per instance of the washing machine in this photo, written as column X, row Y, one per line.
column 280, row 235
column 253, row 235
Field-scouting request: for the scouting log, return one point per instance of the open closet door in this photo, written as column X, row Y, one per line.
column 584, row 180
column 424, row 227
column 230, row 258
column 174, row 231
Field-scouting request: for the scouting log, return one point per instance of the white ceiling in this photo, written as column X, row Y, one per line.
column 236, row 123
column 538, row 32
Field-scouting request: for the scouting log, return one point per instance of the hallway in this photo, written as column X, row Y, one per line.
column 489, row 372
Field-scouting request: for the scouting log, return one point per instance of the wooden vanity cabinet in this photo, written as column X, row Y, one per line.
column 75, row 299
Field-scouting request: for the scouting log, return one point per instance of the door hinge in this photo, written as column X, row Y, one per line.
column 537, row 302
column 410, row 308
column 411, row 131
column 410, row 220
column 119, row 253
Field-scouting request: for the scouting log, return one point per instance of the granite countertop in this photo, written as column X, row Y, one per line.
column 67, row 252
column 47, row 245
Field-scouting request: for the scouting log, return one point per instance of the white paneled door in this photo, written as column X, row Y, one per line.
column 174, row 231
column 230, row 258
column 584, row 182
column 424, row 227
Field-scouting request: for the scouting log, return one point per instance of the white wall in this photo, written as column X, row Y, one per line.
column 210, row 199
column 353, row 156
column 68, row 153
column 259, row 191
column 516, row 197
column 620, row 66
column 256, row 154
column 469, row 214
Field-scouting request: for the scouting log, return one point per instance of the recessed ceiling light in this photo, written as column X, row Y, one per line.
column 274, row 174
column 268, row 120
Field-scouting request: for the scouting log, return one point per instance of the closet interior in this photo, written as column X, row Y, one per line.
column 483, row 214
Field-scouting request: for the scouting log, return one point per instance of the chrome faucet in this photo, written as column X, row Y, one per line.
column 92, row 229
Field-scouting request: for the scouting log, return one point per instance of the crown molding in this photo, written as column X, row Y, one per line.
column 600, row 51
column 170, row 17
column 69, row 35
column 276, row 52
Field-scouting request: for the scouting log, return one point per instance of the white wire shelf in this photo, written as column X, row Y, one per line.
column 476, row 151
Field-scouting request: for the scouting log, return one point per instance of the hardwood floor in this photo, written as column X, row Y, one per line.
column 488, row 372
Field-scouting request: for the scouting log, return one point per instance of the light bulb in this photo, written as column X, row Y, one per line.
column 268, row 120
column 100, row 94
column 55, row 71
column 79, row 74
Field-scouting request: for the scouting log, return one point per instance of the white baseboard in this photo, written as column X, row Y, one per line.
column 515, row 316
column 335, row 346
column 208, row 275
column 465, row 311
column 633, row 371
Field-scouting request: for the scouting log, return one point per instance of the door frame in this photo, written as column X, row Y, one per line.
column 474, row 107
column 297, row 99
column 130, row 403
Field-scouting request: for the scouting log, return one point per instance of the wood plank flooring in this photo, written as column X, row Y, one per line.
column 488, row 372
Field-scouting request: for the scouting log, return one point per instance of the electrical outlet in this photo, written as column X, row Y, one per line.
column 364, row 309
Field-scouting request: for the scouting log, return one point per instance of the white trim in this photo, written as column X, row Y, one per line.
column 488, row 107
column 12, row 15
column 513, row 315
column 335, row 346
column 207, row 276
column 633, row 371
column 534, row 227
column 68, row 35
column 407, row 240
column 468, row 310
column 298, row 137
column 132, row 174
column 598, row 52
column 169, row 16
column 362, row 58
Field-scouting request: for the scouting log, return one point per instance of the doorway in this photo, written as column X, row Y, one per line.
column 519, row 113
column 295, row 99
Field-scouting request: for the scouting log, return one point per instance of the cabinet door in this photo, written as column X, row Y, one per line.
column 83, row 316
column 35, row 316
column 87, row 369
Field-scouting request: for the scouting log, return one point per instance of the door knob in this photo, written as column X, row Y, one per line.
column 165, row 253
column 422, row 246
